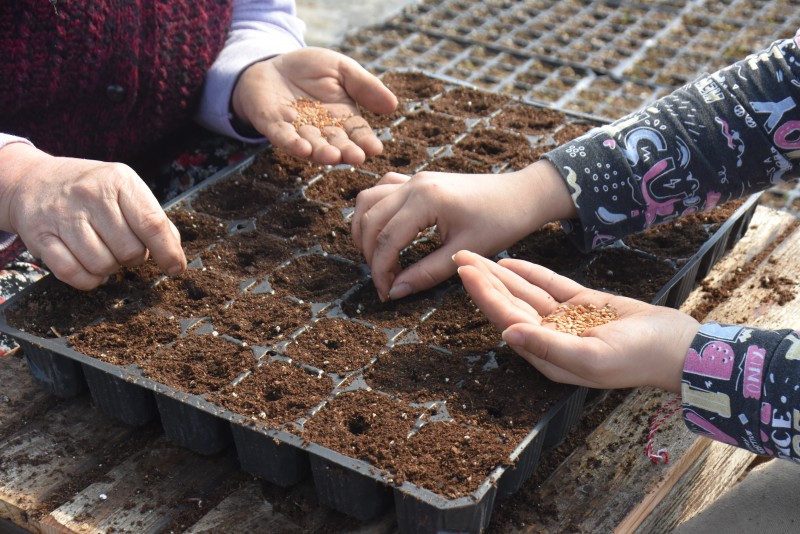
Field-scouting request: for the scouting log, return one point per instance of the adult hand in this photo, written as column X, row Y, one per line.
column 485, row 213
column 84, row 219
column 645, row 346
column 264, row 94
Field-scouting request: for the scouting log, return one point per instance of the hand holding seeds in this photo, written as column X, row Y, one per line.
column 307, row 103
column 578, row 335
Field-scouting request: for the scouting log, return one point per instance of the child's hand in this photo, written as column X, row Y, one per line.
column 645, row 346
column 481, row 212
column 265, row 92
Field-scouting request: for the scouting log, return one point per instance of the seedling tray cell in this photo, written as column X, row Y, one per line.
column 297, row 363
column 127, row 401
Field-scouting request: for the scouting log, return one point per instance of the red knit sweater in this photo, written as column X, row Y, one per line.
column 105, row 79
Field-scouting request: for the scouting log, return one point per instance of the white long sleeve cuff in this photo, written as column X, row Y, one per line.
column 259, row 30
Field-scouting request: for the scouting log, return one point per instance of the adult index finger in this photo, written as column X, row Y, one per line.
column 151, row 225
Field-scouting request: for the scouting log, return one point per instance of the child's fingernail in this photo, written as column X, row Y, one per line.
column 175, row 270
column 399, row 291
column 513, row 337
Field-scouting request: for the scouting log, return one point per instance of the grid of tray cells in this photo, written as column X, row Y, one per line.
column 604, row 58
column 532, row 78
column 614, row 37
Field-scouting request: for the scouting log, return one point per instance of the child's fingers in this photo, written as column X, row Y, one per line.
column 585, row 359
column 490, row 270
column 394, row 178
column 560, row 287
column 516, row 285
column 555, row 373
column 496, row 305
column 476, row 261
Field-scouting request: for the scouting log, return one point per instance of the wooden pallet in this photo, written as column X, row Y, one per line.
column 65, row 467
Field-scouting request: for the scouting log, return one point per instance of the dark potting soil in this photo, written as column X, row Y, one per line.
column 613, row 269
column 127, row 336
column 336, row 345
column 467, row 102
column 462, row 164
column 527, row 120
column 364, row 305
column 550, row 247
column 315, row 278
column 246, row 254
column 458, row 324
column 197, row 230
column 275, row 394
column 397, row 156
column 340, row 187
column 199, row 364
column 261, row 319
column 412, row 86
column 493, row 146
column 433, row 129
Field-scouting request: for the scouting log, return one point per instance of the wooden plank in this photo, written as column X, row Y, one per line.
column 52, row 454
column 755, row 302
column 609, row 482
column 261, row 507
column 714, row 470
column 21, row 397
column 145, row 493
column 766, row 228
column 596, row 486
column 245, row 510
column 656, row 496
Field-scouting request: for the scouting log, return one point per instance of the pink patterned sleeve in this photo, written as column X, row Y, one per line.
column 741, row 386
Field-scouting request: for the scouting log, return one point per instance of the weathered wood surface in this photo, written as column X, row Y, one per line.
column 65, row 467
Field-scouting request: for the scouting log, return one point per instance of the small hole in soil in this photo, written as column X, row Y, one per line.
column 273, row 394
column 194, row 292
column 495, row 411
column 358, row 425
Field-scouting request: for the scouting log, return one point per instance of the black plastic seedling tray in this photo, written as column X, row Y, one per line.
column 281, row 455
column 349, row 485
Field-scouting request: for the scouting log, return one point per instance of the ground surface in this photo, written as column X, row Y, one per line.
column 328, row 20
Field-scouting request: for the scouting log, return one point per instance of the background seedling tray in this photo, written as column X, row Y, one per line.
column 603, row 57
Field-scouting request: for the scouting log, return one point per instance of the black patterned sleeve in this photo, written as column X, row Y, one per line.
column 741, row 386
column 723, row 136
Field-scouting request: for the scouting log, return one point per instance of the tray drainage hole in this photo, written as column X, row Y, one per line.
column 358, row 425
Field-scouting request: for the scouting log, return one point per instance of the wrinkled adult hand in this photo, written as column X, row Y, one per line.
column 264, row 94
column 84, row 219
column 646, row 346
column 485, row 213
